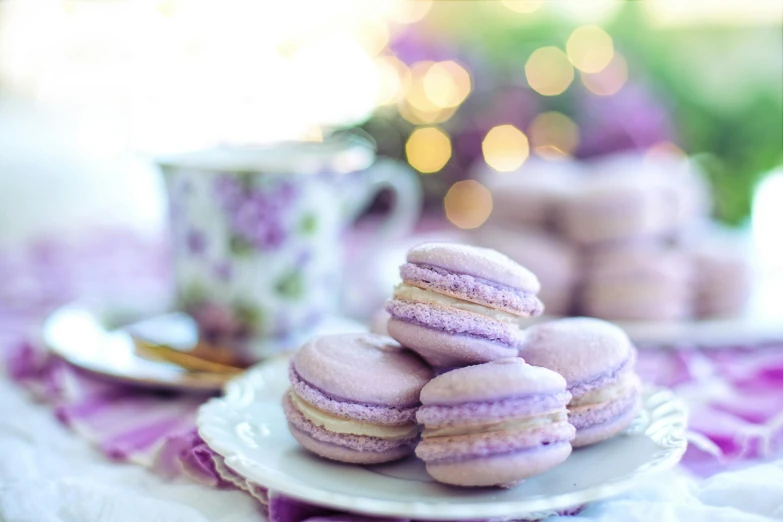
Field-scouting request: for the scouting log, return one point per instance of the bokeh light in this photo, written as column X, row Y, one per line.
column 446, row 84
column 553, row 135
column 408, row 11
column 394, row 78
column 417, row 106
column 419, row 117
column 523, row 6
column 548, row 71
column 590, row 48
column 610, row 80
column 428, row 149
column 505, row 148
column 417, row 95
column 374, row 37
column 468, row 204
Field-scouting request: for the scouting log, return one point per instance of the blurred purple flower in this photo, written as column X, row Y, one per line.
column 228, row 191
column 631, row 119
column 245, row 220
column 286, row 192
column 263, row 203
column 412, row 45
column 257, row 218
column 269, row 235
column 196, row 241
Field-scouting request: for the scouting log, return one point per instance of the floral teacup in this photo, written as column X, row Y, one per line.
column 256, row 235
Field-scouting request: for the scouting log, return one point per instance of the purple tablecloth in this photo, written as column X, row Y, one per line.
column 734, row 393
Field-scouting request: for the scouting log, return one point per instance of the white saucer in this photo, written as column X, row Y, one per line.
column 247, row 427
column 82, row 337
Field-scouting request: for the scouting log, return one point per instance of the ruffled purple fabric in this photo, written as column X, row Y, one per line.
column 734, row 393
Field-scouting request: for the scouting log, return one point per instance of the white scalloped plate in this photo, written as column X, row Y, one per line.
column 247, row 427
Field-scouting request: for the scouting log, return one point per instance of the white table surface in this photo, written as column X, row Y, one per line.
column 48, row 474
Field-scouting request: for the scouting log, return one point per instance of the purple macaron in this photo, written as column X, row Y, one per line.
column 460, row 305
column 354, row 398
column 555, row 262
column 597, row 360
column 494, row 424
column 638, row 282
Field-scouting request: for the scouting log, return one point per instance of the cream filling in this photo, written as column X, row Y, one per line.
column 350, row 427
column 511, row 425
column 406, row 292
column 607, row 393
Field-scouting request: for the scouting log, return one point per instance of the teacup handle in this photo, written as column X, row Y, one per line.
column 406, row 189
column 405, row 186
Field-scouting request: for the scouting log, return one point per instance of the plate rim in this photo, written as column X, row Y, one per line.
column 670, row 453
column 177, row 380
column 700, row 334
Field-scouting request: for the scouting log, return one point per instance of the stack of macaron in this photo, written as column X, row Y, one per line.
column 460, row 305
column 478, row 400
column 723, row 277
column 638, row 282
column 612, row 238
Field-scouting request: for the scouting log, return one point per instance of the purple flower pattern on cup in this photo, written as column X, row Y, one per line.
column 257, row 253
column 256, row 215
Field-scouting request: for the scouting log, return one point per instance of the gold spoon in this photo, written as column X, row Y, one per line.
column 189, row 360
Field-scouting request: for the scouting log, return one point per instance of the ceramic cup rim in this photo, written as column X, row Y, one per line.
column 342, row 153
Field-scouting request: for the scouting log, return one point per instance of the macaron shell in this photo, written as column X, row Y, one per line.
column 472, row 289
column 591, row 414
column 666, row 307
column 605, row 430
column 504, row 378
column 499, row 470
column 492, row 411
column 365, row 368
column 493, row 443
column 357, row 443
column 373, row 413
column 579, row 348
column 442, row 349
column 456, row 321
column 348, row 455
column 476, row 261
column 582, row 388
